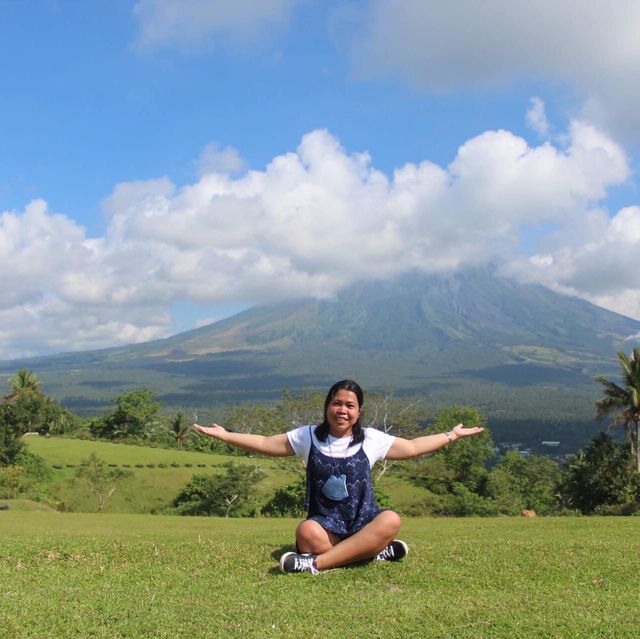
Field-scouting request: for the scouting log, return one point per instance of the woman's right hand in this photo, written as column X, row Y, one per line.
column 212, row 431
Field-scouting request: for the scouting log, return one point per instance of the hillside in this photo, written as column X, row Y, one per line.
column 516, row 352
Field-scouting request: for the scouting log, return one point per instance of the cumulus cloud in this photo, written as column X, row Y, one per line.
column 315, row 220
column 193, row 24
column 63, row 291
column 590, row 45
column 597, row 261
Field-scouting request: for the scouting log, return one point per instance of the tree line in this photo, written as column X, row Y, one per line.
column 466, row 479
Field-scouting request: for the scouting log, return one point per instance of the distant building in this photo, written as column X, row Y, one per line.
column 549, row 443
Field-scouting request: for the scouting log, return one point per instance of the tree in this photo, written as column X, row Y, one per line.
column 467, row 458
column 624, row 401
column 390, row 415
column 26, row 409
column 301, row 410
column 136, row 415
column 220, row 495
column 100, row 479
column 11, row 431
column 56, row 420
column 24, row 382
column 33, row 411
column 28, row 400
column 180, row 429
column 518, row 483
column 455, row 476
column 601, row 476
column 254, row 418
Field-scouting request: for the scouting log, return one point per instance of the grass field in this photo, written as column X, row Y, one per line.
column 132, row 576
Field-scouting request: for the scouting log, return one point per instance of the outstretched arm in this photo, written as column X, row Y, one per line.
column 273, row 445
column 409, row 448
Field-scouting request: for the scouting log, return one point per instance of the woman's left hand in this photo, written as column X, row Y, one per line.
column 460, row 431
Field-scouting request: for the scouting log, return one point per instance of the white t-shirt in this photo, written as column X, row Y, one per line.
column 376, row 444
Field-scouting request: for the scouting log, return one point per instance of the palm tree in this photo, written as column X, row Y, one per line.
column 181, row 430
column 624, row 401
column 24, row 382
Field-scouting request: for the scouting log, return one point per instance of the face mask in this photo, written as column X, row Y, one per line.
column 335, row 488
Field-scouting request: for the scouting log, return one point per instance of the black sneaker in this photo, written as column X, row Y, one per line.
column 296, row 562
column 393, row 552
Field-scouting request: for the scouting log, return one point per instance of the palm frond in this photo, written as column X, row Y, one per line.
column 624, row 400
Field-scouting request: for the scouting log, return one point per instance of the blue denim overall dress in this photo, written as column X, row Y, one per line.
column 350, row 514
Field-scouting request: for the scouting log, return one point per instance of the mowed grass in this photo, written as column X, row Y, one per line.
column 129, row 576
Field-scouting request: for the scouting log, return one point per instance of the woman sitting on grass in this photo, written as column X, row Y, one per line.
column 344, row 525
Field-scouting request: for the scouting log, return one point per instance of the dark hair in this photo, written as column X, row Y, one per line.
column 357, row 434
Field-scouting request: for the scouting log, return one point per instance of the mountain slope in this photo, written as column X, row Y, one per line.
column 513, row 350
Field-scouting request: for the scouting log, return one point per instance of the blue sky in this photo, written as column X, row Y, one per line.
column 166, row 163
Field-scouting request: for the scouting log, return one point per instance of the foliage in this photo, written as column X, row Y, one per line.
column 600, row 476
column 523, row 482
column 11, row 429
column 24, row 382
column 136, row 415
column 287, row 501
column 454, row 477
column 34, row 466
column 181, row 430
column 56, row 420
column 220, row 495
column 299, row 409
column 27, row 409
column 467, row 458
column 11, row 482
column 624, row 401
column 27, row 478
column 382, row 499
column 101, row 480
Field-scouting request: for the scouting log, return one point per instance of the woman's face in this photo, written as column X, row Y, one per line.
column 342, row 413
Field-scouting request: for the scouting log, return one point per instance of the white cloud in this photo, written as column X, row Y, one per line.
column 590, row 45
column 214, row 159
column 596, row 261
column 195, row 24
column 313, row 221
column 537, row 117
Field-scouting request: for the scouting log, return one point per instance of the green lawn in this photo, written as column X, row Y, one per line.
column 128, row 576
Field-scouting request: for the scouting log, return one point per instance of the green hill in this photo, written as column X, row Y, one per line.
column 158, row 473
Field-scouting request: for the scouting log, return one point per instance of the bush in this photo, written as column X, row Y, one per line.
column 601, row 478
column 287, row 501
column 28, row 479
column 225, row 495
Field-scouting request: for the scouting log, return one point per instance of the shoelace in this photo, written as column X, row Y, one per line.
column 386, row 553
column 305, row 563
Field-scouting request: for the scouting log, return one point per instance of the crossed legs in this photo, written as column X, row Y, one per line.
column 332, row 551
